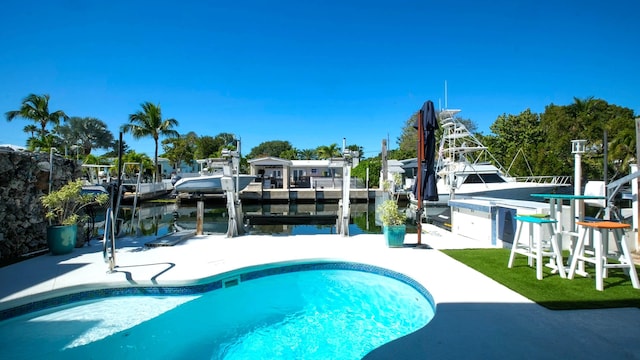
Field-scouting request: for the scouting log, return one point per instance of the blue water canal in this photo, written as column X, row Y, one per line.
column 157, row 219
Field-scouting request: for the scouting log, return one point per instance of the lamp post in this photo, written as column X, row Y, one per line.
column 577, row 149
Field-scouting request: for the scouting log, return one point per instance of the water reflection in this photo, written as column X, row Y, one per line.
column 157, row 219
column 149, row 219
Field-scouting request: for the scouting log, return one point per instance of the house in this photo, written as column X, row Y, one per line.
column 192, row 168
column 395, row 172
column 410, row 167
column 271, row 171
column 164, row 165
column 315, row 174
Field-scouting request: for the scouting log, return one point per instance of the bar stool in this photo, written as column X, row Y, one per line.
column 601, row 253
column 537, row 248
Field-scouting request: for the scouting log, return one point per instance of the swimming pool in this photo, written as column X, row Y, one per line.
column 313, row 311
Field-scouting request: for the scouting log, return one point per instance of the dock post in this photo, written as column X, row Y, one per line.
column 230, row 170
column 344, row 214
column 234, row 208
column 199, row 217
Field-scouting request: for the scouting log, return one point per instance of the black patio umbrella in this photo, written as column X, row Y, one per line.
column 425, row 186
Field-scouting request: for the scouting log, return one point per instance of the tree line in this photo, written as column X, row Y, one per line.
column 540, row 144
column 526, row 144
column 79, row 136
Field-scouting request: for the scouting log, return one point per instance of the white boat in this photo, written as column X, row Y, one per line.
column 465, row 168
column 210, row 184
column 94, row 190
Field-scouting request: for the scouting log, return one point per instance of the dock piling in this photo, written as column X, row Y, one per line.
column 199, row 217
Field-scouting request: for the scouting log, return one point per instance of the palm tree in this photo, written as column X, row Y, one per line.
column 623, row 150
column 307, row 154
column 582, row 111
column 30, row 129
column 133, row 157
column 327, row 152
column 87, row 133
column 149, row 122
column 43, row 143
column 36, row 108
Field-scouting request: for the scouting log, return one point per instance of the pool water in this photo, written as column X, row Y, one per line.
column 314, row 314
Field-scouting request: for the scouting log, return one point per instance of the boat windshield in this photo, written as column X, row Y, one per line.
column 483, row 178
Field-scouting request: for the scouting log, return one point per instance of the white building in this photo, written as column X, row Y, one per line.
column 316, row 174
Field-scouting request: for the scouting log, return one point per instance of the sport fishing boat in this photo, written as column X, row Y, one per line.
column 465, row 168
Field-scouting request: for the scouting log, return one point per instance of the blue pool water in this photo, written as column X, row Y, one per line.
column 310, row 314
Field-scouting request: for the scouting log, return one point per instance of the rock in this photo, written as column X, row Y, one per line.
column 44, row 166
column 24, row 178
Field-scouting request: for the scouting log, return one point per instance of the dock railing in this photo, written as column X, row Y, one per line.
column 109, row 241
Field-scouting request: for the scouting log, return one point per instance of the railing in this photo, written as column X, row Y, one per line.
column 555, row 180
column 109, row 241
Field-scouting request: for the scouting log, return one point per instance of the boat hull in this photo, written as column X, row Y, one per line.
column 508, row 190
column 209, row 184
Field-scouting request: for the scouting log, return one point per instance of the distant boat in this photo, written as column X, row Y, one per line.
column 209, row 184
column 94, row 190
column 462, row 172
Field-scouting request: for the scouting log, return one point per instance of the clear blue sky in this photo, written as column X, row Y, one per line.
column 313, row 72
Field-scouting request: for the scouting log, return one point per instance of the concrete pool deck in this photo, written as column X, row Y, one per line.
column 476, row 318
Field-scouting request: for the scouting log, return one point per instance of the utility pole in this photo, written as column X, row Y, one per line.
column 384, row 163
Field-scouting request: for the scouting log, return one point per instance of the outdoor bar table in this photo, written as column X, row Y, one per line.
column 557, row 199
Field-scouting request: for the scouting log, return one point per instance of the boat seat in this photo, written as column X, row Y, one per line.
column 597, row 188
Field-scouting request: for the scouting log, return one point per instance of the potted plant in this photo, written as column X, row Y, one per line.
column 64, row 210
column 393, row 223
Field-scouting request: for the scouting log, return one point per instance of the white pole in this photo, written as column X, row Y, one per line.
column 634, row 206
column 367, row 180
column 577, row 174
column 577, row 148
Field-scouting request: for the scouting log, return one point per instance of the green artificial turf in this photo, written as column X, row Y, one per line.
column 552, row 291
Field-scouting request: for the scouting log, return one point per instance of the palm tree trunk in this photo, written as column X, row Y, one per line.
column 156, row 171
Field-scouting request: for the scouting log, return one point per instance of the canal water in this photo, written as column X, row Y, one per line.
column 157, row 219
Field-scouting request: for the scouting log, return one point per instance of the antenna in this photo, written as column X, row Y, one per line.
column 446, row 106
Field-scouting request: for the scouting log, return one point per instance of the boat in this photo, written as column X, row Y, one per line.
column 210, row 184
column 209, row 179
column 465, row 168
column 94, row 190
